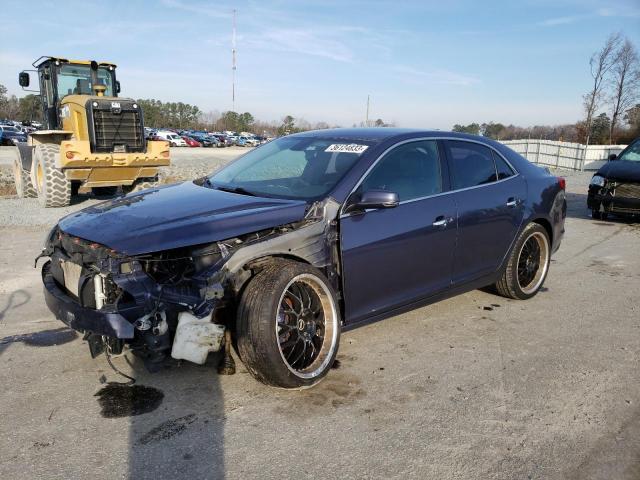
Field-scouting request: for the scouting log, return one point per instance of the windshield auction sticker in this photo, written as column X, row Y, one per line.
column 347, row 148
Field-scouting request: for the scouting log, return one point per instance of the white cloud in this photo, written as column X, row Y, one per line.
column 436, row 75
column 305, row 42
column 213, row 12
column 552, row 22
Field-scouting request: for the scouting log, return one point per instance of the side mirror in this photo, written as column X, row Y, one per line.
column 23, row 79
column 613, row 156
column 117, row 86
column 375, row 199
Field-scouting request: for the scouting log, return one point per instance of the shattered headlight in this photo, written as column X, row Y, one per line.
column 598, row 180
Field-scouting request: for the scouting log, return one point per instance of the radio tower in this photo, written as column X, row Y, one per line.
column 233, row 64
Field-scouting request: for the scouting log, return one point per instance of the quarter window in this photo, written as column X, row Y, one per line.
column 502, row 168
column 471, row 164
column 411, row 170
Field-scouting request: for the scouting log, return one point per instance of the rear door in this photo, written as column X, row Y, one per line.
column 393, row 256
column 489, row 196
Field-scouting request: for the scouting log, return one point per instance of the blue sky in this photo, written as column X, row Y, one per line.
column 425, row 64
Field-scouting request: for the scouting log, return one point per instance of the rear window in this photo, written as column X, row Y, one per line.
column 471, row 164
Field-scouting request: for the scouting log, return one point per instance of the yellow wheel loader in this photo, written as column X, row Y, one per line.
column 93, row 139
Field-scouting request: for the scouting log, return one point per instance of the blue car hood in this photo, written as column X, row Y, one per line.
column 621, row 170
column 176, row 216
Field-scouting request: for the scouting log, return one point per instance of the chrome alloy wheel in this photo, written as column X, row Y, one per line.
column 306, row 326
column 533, row 262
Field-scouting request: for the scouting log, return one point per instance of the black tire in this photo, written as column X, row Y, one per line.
column 54, row 190
column 142, row 184
column 22, row 178
column 263, row 330
column 519, row 268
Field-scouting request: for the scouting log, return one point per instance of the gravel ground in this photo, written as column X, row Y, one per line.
column 187, row 164
column 474, row 387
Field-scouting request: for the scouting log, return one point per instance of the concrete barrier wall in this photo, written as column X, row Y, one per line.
column 565, row 155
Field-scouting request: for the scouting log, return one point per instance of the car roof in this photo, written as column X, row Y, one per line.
column 379, row 134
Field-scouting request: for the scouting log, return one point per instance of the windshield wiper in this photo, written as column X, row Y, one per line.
column 238, row 190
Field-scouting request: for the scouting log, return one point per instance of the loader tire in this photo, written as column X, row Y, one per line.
column 52, row 186
column 143, row 184
column 22, row 178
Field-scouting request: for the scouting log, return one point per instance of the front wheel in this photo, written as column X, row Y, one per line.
column 51, row 184
column 288, row 325
column 528, row 264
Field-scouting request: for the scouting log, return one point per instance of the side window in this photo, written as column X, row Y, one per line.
column 411, row 170
column 502, row 168
column 471, row 164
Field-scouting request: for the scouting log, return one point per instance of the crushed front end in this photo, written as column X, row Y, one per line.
column 614, row 196
column 139, row 301
column 179, row 302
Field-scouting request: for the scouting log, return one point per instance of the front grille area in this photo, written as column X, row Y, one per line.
column 628, row 190
column 117, row 127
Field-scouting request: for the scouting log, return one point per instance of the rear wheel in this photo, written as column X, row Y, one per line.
column 22, row 178
column 288, row 326
column 528, row 264
column 51, row 184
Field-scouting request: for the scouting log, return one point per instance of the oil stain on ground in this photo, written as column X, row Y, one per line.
column 167, row 429
column 46, row 338
column 118, row 400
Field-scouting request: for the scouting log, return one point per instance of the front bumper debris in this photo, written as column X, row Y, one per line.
column 617, row 198
column 81, row 318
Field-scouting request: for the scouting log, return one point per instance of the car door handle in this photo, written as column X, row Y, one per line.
column 441, row 221
column 513, row 202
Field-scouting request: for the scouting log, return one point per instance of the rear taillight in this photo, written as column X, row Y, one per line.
column 562, row 182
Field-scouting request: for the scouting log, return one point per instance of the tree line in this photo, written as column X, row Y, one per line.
column 25, row 109
column 611, row 111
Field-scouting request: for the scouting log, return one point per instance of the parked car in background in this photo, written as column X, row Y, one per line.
column 241, row 142
column 190, row 141
column 222, row 140
column 204, row 140
column 311, row 233
column 173, row 138
column 251, row 141
column 615, row 187
column 12, row 135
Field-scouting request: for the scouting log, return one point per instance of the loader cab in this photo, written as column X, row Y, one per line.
column 59, row 78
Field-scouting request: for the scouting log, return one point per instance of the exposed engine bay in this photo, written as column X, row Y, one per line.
column 177, row 303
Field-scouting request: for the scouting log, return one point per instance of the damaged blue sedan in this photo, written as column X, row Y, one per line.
column 298, row 240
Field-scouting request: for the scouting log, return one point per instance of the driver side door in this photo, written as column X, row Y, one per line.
column 394, row 256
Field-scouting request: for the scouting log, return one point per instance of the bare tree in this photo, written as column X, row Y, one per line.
column 626, row 83
column 601, row 63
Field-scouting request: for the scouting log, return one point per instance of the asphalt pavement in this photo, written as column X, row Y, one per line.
column 476, row 386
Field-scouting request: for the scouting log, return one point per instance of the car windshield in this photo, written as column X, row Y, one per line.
column 76, row 80
column 9, row 129
column 291, row 167
column 632, row 153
